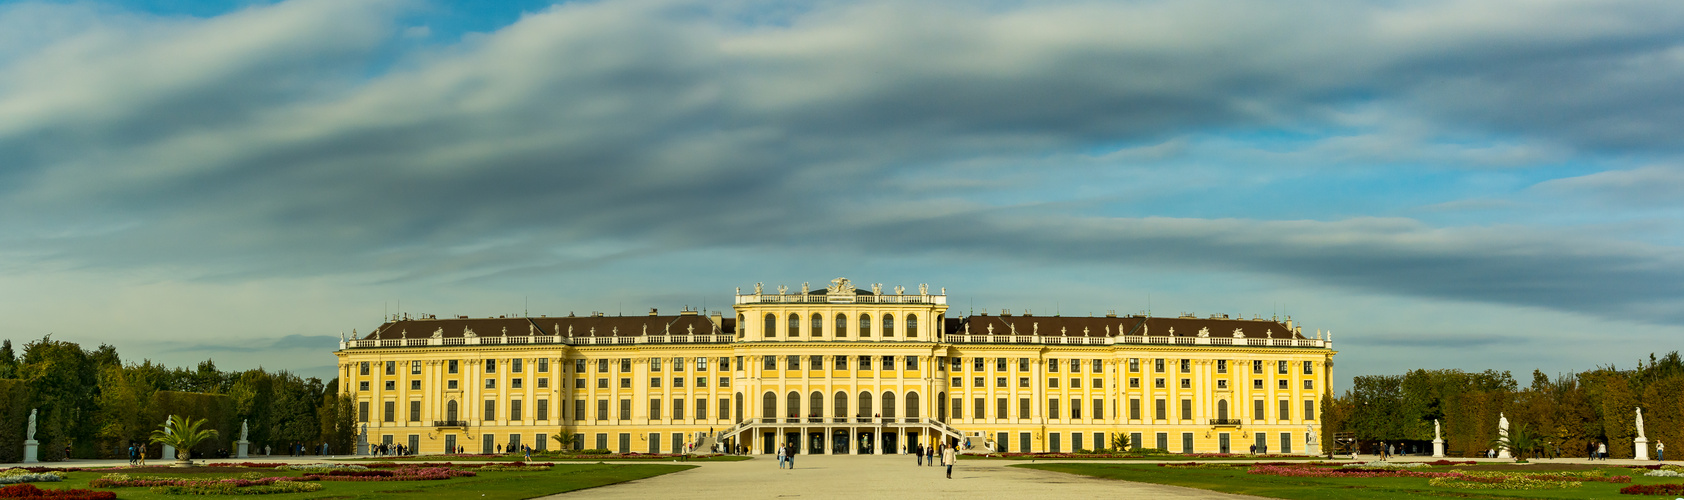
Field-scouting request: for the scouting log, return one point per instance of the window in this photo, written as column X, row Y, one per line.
column 514, row 383
column 579, row 410
column 543, row 366
column 841, row 325
column 724, row 381
column 1221, row 366
column 1309, row 409
column 490, row 383
column 1308, row 370
column 602, row 383
column 999, row 381
column 655, row 409
column 1285, row 410
column 1134, row 382
column 1257, row 366
column 655, row 382
column 1099, row 366
column 514, row 410
column 1158, row 383
column 543, row 410
column 602, row 366
column 1134, row 365
column 1222, row 384
column 815, row 362
column 888, row 325
column 578, row 366
column 769, row 362
column 1186, row 409
column 818, row 325
column 1134, row 409
column 450, row 384
column 1052, row 366
column 414, row 367
column 1022, row 364
column 1052, row 383
column 1186, row 366
column 1023, row 381
column 701, row 409
column 958, row 363
column 1257, row 409
column 701, row 381
column 678, row 409
column 491, row 366
column 1281, row 384
column 1309, row 385
column 362, row 411
column 490, row 410
column 415, row 385
column 450, row 366
column 702, row 363
column 724, row 409
column 865, row 325
column 888, row 362
column 1257, row 384
column 391, row 368
column 543, row 383
column 956, row 382
column 391, row 385
column 727, row 366
column 654, row 364
column 770, row 326
column 794, row 325
column 1023, row 408
column 516, row 365
column 1099, row 409
column 978, row 405
column 1075, row 408
column 625, row 365
column 1075, row 366
column 979, row 382
column 414, row 411
column 1280, row 367
column 1186, row 383
column 1158, row 410
column 1000, row 364
column 1052, row 408
column 911, row 325
column 678, row 382
column 1158, row 365
column 391, row 408
column 1098, row 383
column 625, row 409
column 976, row 364
column 865, row 362
column 363, row 368
column 999, row 408
column 839, row 362
column 794, row 362
column 625, row 383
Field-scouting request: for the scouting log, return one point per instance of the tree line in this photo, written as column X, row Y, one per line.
column 1571, row 412
column 93, row 405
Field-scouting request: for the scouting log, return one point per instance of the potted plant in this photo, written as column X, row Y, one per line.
column 183, row 434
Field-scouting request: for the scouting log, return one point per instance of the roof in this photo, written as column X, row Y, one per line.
column 570, row 326
column 1108, row 326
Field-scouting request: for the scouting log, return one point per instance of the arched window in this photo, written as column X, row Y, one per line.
column 865, row 325
column 794, row 325
column 841, row 325
column 818, row 325
column 742, row 325
column 739, row 407
column 771, row 325
column 912, row 404
column 815, row 404
column 888, row 325
column 794, row 400
column 912, row 325
column 865, row 404
column 888, row 405
column 769, row 405
column 1221, row 409
column 841, row 404
column 450, row 410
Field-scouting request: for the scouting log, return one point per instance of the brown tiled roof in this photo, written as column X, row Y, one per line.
column 1111, row 326
column 570, row 326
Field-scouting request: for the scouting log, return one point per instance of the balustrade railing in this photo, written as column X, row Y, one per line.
column 1132, row 339
column 721, row 339
column 536, row 339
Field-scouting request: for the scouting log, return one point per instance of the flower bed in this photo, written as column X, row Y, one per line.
column 400, row 474
column 1386, row 465
column 1663, row 473
column 1653, row 489
column 30, row 491
column 227, row 489
column 1312, row 471
column 321, row 467
column 360, row 473
column 513, row 468
column 17, row 475
column 124, row 480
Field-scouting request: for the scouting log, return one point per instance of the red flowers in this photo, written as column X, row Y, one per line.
column 1653, row 489
column 27, row 490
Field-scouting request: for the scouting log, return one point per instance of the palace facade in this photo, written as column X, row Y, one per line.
column 839, row 370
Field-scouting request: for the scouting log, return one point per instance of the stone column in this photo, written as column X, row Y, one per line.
column 877, row 441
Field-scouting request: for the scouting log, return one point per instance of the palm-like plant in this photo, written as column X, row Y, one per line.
column 182, row 433
column 1521, row 440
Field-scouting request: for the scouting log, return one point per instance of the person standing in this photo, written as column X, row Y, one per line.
column 930, row 458
column 1660, row 451
column 780, row 457
column 791, row 455
column 948, row 456
column 919, row 451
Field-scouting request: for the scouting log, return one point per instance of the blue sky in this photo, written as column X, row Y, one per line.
column 1464, row 185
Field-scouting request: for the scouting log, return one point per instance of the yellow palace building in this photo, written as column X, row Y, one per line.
column 838, row 370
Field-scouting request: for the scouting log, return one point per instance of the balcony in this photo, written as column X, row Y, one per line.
column 1233, row 422
column 450, row 423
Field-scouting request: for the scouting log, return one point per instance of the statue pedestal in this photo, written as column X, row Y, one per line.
column 1642, row 446
column 169, row 453
column 31, row 451
column 244, row 446
column 1503, row 453
column 1438, row 448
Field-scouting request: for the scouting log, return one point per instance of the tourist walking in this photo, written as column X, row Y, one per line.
column 1602, row 451
column 132, row 455
column 790, row 455
column 1660, row 451
column 780, row 457
column 930, row 458
column 948, row 456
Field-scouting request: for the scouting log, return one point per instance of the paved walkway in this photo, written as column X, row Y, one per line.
column 865, row 476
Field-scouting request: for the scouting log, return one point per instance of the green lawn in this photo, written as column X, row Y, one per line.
column 492, row 485
column 1236, row 480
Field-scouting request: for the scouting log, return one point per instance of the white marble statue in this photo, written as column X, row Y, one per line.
column 1503, row 433
column 31, row 435
column 1438, row 433
column 242, row 430
column 1640, row 423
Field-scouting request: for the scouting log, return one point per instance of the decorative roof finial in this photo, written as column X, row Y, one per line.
column 923, row 289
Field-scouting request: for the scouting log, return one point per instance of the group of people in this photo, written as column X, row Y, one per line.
column 137, row 455
column 390, row 449
column 925, row 455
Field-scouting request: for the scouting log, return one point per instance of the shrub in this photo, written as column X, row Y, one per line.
column 30, row 491
column 594, row 451
column 321, row 467
column 227, row 489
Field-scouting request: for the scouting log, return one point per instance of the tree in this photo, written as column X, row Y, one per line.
column 1120, row 441
column 183, row 433
column 1520, row 441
